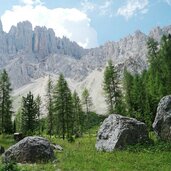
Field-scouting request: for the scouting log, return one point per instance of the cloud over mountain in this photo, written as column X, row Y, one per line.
column 132, row 8
column 71, row 23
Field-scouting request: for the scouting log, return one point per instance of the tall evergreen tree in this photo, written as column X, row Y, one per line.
column 38, row 104
column 128, row 87
column 18, row 120
column 86, row 101
column 5, row 104
column 112, row 90
column 29, row 114
column 63, row 108
column 87, row 105
column 50, row 117
column 143, row 91
column 78, row 114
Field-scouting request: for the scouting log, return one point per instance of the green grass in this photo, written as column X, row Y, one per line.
column 6, row 141
column 82, row 156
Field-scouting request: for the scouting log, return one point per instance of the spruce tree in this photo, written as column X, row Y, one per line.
column 78, row 114
column 38, row 104
column 144, row 91
column 5, row 103
column 112, row 90
column 86, row 101
column 18, row 120
column 50, row 117
column 63, row 108
column 29, row 114
column 87, row 105
column 128, row 87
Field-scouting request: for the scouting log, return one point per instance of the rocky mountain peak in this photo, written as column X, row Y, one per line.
column 39, row 42
column 138, row 34
column 24, row 26
column 156, row 33
column 13, row 30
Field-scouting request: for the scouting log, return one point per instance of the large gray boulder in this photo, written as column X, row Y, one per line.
column 30, row 150
column 162, row 122
column 119, row 131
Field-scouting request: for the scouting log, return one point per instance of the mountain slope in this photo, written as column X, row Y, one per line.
column 31, row 55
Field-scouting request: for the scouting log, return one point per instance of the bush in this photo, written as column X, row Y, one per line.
column 9, row 167
column 94, row 120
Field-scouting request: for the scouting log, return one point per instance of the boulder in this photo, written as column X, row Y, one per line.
column 2, row 150
column 31, row 149
column 119, row 131
column 162, row 122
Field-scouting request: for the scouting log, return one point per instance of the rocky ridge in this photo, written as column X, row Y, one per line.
column 30, row 55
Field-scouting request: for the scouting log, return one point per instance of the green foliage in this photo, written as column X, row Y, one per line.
column 87, row 106
column 144, row 91
column 18, row 120
column 94, row 121
column 29, row 114
column 9, row 167
column 63, row 108
column 78, row 115
column 5, row 104
column 38, row 104
column 6, row 140
column 86, row 101
column 112, row 90
column 50, row 116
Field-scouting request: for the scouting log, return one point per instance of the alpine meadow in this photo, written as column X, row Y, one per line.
column 81, row 89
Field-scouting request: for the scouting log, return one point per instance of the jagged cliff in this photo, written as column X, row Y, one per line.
column 30, row 55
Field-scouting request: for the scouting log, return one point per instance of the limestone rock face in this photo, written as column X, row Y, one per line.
column 30, row 150
column 162, row 122
column 118, row 131
column 23, row 37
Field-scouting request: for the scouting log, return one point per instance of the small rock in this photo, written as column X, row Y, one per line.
column 57, row 147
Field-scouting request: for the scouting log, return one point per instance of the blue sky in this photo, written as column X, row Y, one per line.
column 88, row 22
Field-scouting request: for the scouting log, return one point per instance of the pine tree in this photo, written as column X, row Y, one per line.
column 38, row 104
column 128, row 87
column 50, row 117
column 5, row 104
column 112, row 90
column 143, row 91
column 18, row 120
column 78, row 115
column 63, row 108
column 86, row 101
column 29, row 114
column 87, row 105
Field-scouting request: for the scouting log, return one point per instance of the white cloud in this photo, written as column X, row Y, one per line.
column 31, row 2
column 88, row 6
column 133, row 7
column 71, row 23
column 104, row 8
column 168, row 2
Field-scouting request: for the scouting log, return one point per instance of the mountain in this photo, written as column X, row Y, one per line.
column 31, row 55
